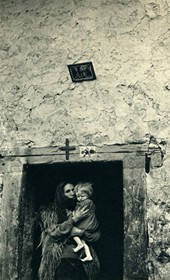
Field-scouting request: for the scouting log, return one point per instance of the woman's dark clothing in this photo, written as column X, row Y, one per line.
column 55, row 242
column 70, row 269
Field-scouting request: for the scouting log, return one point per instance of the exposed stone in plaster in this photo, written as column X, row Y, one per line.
column 158, row 225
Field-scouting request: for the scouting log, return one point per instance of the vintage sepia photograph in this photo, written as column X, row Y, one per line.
column 84, row 140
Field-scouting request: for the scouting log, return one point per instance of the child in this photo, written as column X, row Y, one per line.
column 88, row 225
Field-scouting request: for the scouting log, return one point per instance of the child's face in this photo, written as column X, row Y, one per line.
column 81, row 196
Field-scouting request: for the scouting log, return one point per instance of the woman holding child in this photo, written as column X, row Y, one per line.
column 63, row 256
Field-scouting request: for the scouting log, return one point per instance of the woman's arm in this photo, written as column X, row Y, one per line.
column 54, row 229
column 58, row 230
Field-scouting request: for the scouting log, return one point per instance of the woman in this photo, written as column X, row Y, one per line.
column 59, row 261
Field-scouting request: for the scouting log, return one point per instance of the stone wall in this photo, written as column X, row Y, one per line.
column 128, row 43
column 158, row 213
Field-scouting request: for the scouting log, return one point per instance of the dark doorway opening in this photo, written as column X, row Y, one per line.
column 107, row 179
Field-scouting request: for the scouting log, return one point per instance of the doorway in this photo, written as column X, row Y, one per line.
column 107, row 179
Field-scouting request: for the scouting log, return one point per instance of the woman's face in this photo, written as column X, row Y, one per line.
column 69, row 191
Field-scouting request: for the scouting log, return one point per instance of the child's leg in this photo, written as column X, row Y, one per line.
column 79, row 244
column 87, row 252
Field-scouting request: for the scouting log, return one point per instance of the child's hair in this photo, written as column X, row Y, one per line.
column 85, row 188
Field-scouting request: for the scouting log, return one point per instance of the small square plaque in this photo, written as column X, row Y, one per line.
column 82, row 72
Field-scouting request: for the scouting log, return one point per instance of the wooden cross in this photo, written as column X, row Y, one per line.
column 67, row 148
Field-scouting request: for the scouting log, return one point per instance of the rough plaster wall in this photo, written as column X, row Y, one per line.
column 129, row 45
column 128, row 42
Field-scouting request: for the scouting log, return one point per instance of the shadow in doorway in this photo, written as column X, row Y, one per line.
column 107, row 179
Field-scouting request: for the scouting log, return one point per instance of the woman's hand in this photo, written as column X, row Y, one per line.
column 80, row 214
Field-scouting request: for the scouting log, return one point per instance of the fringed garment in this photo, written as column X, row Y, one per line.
column 54, row 237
